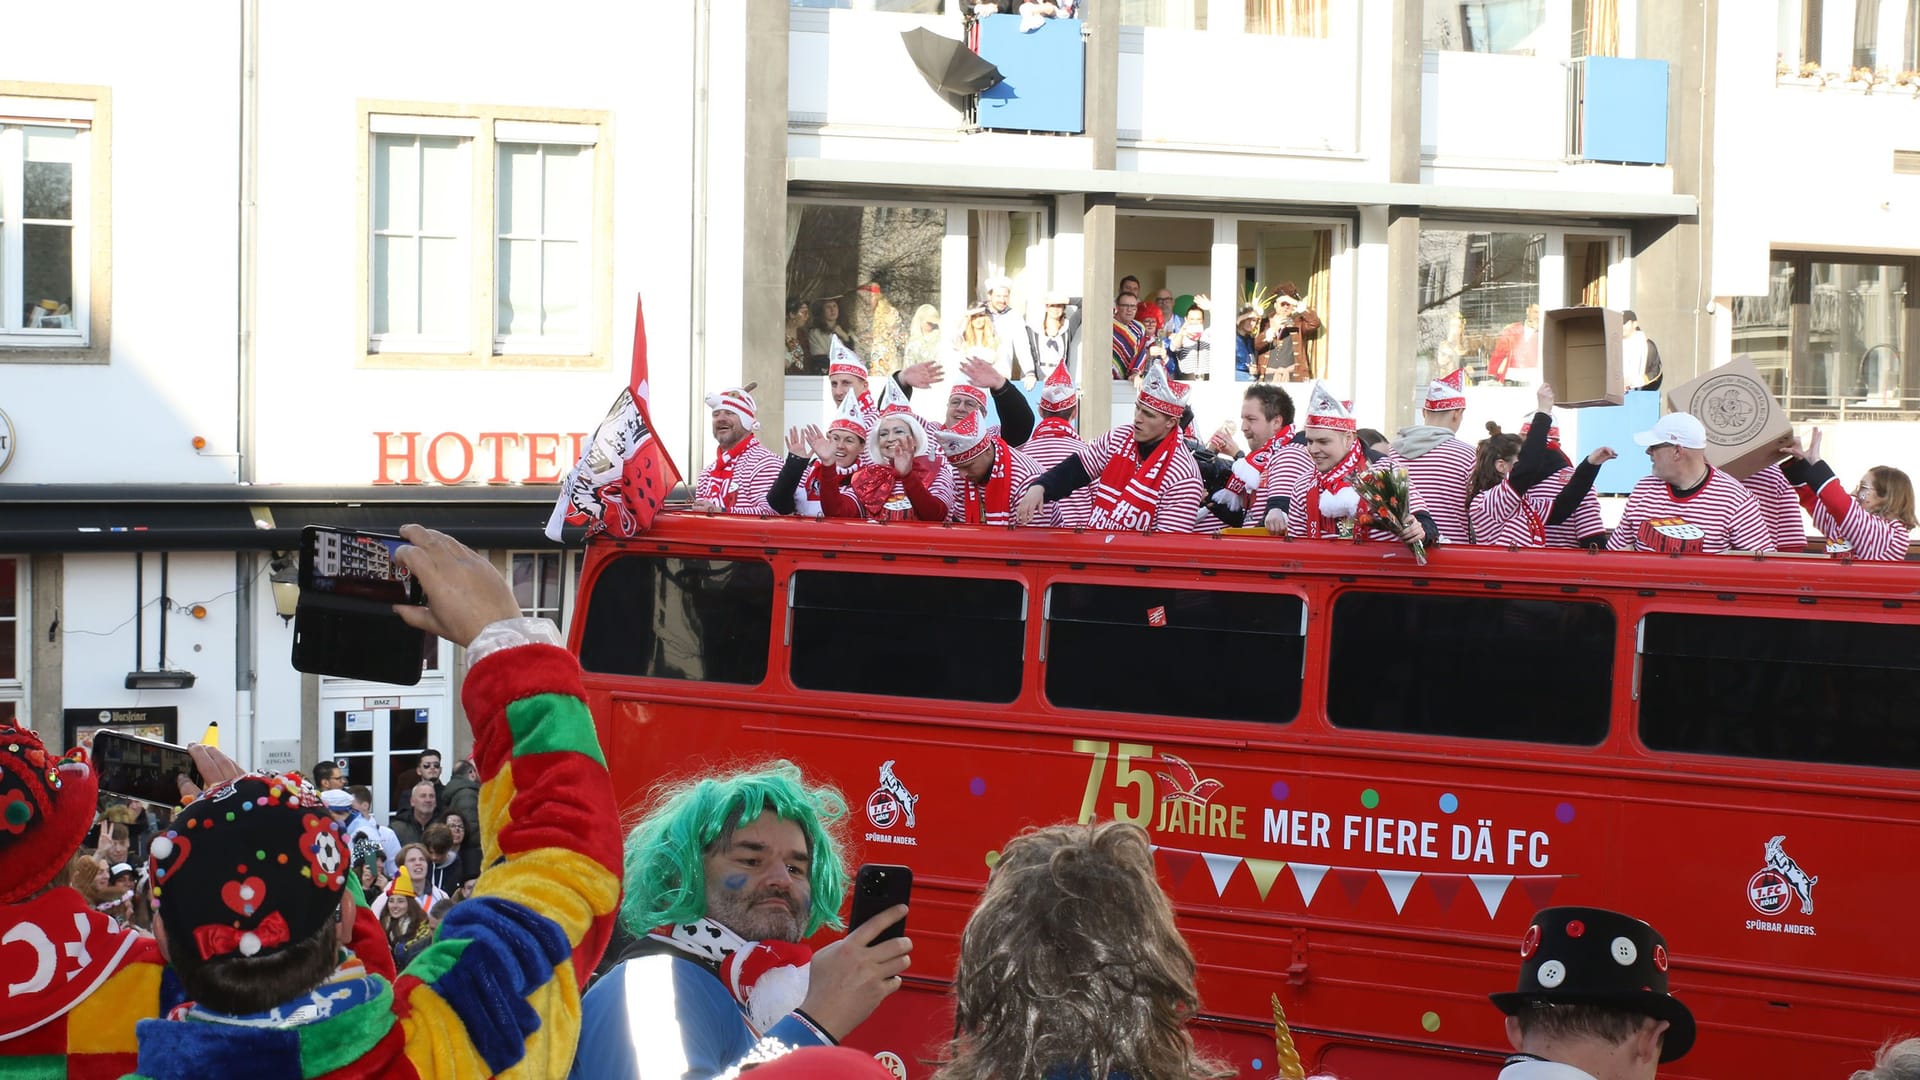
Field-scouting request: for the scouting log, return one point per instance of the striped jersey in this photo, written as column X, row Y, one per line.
column 1503, row 517
column 740, row 481
column 1284, row 471
column 1177, row 505
column 1046, row 450
column 1585, row 520
column 1718, row 516
column 1302, row 489
column 1868, row 535
column 1022, row 471
column 1779, row 507
column 1441, row 476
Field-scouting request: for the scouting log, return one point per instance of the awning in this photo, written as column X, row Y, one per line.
column 82, row 518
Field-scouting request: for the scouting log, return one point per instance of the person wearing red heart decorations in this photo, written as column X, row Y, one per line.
column 1592, row 1003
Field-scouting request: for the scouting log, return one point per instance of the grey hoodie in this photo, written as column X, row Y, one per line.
column 1419, row 439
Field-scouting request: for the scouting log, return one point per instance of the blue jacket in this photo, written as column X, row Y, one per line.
column 663, row 1016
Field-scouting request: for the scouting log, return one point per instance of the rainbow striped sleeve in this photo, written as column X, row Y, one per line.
column 498, row 992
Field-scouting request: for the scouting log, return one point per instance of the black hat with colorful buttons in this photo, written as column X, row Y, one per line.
column 1592, row 956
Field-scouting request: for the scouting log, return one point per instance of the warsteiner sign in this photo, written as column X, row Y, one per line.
column 453, row 457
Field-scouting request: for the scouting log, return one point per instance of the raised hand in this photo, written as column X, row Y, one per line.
column 1543, row 398
column 922, row 375
column 1602, row 455
column 851, row 977
column 465, row 593
column 796, row 442
column 982, row 373
column 817, row 442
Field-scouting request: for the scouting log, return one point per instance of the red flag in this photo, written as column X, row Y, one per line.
column 624, row 473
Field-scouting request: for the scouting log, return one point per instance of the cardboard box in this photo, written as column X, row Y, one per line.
column 1745, row 425
column 1580, row 357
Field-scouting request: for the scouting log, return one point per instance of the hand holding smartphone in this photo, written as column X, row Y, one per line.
column 877, row 887
column 345, row 623
column 145, row 769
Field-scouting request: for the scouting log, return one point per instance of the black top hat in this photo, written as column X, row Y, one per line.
column 1592, row 956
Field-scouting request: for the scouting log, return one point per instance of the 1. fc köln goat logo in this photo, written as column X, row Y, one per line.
column 891, row 801
column 1780, row 881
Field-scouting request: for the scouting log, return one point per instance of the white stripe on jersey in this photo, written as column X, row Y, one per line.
column 1779, row 508
column 1441, row 476
column 1721, row 515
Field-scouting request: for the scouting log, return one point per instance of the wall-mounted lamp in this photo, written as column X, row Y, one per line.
column 159, row 680
column 284, row 576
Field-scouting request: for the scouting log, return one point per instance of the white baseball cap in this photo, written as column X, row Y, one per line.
column 1680, row 429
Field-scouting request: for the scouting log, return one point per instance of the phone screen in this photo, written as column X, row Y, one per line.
column 144, row 769
column 337, row 562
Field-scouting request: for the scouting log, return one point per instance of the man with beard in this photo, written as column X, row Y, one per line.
column 1275, row 458
column 724, row 878
column 743, row 472
column 1142, row 476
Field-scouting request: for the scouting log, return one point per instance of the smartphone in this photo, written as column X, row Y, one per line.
column 144, row 769
column 877, row 887
column 344, row 624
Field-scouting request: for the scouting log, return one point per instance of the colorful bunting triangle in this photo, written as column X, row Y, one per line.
column 1308, row 877
column 1539, row 888
column 1221, row 867
column 1399, row 883
column 1445, row 887
column 1492, row 887
column 1179, row 863
column 1352, row 881
column 1264, row 871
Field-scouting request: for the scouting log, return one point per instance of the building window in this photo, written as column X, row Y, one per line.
column 46, row 222
column 1480, row 306
column 870, row 275
column 481, row 239
column 13, row 642
column 1831, row 335
column 1884, row 35
column 1487, row 26
column 544, row 583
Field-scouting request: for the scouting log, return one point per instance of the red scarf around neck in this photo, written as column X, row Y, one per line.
column 1339, row 478
column 1054, row 427
column 1128, row 490
column 991, row 503
column 719, row 483
column 1259, row 458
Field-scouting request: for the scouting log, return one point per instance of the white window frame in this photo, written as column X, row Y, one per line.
column 570, row 564
column 14, row 635
column 542, row 135
column 16, row 115
column 465, row 130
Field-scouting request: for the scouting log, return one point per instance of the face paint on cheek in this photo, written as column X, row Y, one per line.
column 734, row 882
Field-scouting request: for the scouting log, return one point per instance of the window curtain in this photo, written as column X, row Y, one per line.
column 1603, row 27
column 1594, row 270
column 1293, row 18
column 1319, row 291
column 795, row 212
column 990, row 250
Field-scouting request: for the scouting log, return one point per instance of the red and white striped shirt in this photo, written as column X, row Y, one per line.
column 1286, row 469
column 1049, row 447
column 1442, row 475
column 1177, row 506
column 1297, row 496
column 1022, row 471
column 1779, row 507
column 1585, row 520
column 1720, row 515
column 1868, row 535
column 1502, row 517
column 742, row 485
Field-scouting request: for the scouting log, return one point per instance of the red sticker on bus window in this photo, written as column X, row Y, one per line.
column 1156, row 616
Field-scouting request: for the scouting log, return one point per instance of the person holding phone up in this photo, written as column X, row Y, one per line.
column 725, row 877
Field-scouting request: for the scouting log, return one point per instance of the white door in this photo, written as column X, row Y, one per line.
column 377, row 731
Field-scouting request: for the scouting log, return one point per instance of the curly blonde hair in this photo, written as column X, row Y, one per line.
column 1072, row 961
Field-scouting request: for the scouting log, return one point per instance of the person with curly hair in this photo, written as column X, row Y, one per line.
column 725, row 877
column 1071, row 967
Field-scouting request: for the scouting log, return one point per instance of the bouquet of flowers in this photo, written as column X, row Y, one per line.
column 1384, row 502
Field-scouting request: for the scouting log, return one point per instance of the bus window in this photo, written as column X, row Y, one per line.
column 706, row 620
column 1112, row 647
column 908, row 635
column 1476, row 667
column 1800, row 689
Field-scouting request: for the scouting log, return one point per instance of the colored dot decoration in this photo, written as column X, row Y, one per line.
column 978, row 786
column 1430, row 1021
column 1256, row 1064
column 993, row 858
column 19, row 813
column 1281, row 790
column 1449, row 802
column 1370, row 798
column 1563, row 813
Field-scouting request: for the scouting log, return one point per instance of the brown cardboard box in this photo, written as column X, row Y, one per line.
column 1745, row 425
column 1580, row 357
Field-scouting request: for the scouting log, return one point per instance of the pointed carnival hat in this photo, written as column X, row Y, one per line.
column 844, row 361
column 1161, row 394
column 1326, row 411
column 893, row 403
column 1059, row 394
column 852, row 415
column 738, row 401
column 1447, row 392
column 964, row 441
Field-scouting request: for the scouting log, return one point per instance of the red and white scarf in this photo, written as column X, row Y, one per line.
column 990, row 503
column 716, row 484
column 1334, row 481
column 1127, row 493
column 1054, row 427
column 1257, row 461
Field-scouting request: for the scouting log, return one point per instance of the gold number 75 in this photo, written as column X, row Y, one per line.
column 1125, row 775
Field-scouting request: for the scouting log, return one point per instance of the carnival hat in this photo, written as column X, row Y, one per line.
column 844, row 361
column 852, row 415
column 738, row 401
column 1326, row 411
column 1058, row 394
column 1592, row 956
column 964, row 441
column 46, row 807
column 1161, row 394
column 253, row 866
column 970, row 392
column 1447, row 392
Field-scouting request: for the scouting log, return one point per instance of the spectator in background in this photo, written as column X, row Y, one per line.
column 1190, row 349
column 382, row 832
column 1016, row 359
column 980, row 340
column 406, row 908
column 1875, row 522
column 443, row 861
column 1250, row 348
column 114, row 842
column 426, row 769
column 924, row 344
column 1592, row 1002
column 877, row 329
column 1894, row 1061
column 1289, row 328
column 1451, row 354
column 1639, row 356
column 1052, row 341
column 726, row 876
column 1516, row 352
column 1071, row 966
column 1170, row 314
column 1687, row 506
column 1130, row 339
column 466, row 846
column 1149, row 314
column 823, row 329
column 797, row 316
column 462, row 796
column 423, row 811
column 328, row 777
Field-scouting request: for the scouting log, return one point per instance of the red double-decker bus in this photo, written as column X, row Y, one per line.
column 1362, row 775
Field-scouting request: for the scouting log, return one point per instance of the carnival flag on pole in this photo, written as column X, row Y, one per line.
column 624, row 474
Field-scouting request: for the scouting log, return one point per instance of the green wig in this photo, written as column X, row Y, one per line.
column 665, row 869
